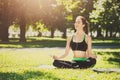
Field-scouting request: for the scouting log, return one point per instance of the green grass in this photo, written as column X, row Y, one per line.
column 40, row 42
column 106, row 42
column 34, row 42
column 23, row 61
column 23, row 64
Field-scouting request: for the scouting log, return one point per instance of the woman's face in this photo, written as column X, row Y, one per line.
column 78, row 24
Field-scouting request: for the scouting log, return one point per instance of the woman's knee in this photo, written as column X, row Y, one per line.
column 62, row 64
column 92, row 60
column 55, row 62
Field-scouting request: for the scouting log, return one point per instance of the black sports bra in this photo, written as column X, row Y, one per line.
column 82, row 46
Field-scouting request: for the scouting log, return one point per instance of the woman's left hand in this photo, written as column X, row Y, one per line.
column 93, row 56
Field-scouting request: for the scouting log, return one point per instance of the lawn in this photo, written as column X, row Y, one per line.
column 23, row 64
column 40, row 42
column 21, row 61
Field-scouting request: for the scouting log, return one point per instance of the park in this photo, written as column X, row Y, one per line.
column 31, row 31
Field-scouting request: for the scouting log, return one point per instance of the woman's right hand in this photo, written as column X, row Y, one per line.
column 54, row 57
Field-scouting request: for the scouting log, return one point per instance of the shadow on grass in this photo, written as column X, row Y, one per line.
column 114, row 61
column 38, row 42
column 113, row 39
column 115, row 54
column 115, row 58
column 105, row 42
column 28, row 75
column 34, row 43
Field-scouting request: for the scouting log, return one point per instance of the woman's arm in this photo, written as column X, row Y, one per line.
column 66, row 50
column 89, row 50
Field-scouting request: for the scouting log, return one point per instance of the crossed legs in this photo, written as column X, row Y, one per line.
column 75, row 64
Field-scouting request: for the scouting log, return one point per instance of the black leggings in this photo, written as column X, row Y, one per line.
column 75, row 64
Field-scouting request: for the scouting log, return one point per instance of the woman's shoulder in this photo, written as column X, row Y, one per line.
column 88, row 37
column 70, row 37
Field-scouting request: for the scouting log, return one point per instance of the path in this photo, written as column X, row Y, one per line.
column 62, row 48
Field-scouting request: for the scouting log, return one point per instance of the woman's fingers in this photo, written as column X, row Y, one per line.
column 54, row 56
column 94, row 56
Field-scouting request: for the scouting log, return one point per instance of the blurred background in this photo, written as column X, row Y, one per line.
column 32, row 30
column 20, row 19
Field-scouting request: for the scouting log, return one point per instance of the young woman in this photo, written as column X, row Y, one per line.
column 81, row 45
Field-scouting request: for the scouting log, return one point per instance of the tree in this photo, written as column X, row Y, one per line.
column 6, row 18
column 26, row 13
column 106, row 15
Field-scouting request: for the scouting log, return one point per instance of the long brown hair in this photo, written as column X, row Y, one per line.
column 85, row 22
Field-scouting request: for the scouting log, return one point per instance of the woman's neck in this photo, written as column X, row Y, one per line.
column 80, row 32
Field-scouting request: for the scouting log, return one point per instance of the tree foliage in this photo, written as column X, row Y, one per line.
column 59, row 14
column 106, row 17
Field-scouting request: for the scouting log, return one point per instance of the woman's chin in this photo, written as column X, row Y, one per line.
column 76, row 28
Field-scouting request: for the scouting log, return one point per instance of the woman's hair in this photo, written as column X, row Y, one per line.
column 84, row 21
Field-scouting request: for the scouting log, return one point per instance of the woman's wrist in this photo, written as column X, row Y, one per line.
column 93, row 56
column 55, row 57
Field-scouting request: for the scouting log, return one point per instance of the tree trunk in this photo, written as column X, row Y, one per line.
column 64, row 33
column 52, row 32
column 91, row 33
column 106, row 35
column 99, row 32
column 4, row 32
column 5, row 22
column 110, row 32
column 22, row 29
